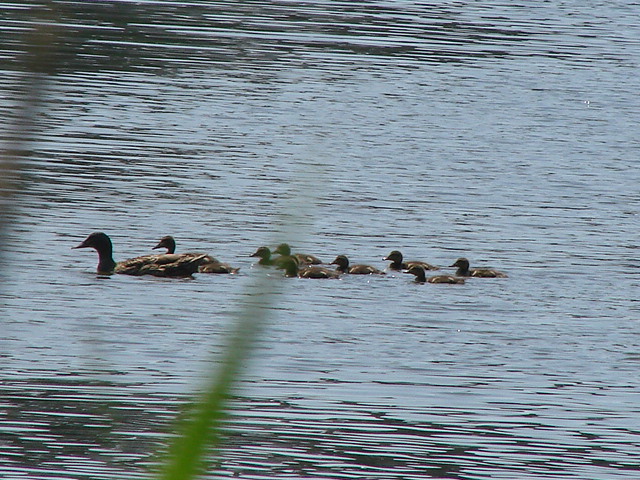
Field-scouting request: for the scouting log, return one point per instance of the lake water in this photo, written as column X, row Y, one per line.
column 506, row 132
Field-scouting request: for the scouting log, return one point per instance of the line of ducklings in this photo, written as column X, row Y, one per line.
column 171, row 264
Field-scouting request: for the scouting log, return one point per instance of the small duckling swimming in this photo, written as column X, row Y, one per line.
column 419, row 273
column 465, row 271
column 209, row 265
column 292, row 269
column 342, row 263
column 303, row 258
column 397, row 262
column 164, row 265
column 217, row 267
column 264, row 253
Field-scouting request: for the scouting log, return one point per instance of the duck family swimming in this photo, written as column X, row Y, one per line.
column 171, row 264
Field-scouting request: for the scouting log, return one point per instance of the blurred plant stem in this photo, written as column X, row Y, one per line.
column 37, row 63
column 200, row 429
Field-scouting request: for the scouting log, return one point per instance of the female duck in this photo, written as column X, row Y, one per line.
column 292, row 268
column 342, row 263
column 167, row 265
column 465, row 271
column 397, row 262
column 209, row 264
column 169, row 243
column 418, row 271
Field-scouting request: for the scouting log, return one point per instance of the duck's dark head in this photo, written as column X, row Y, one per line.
column 283, row 249
column 342, row 261
column 102, row 244
column 418, row 271
column 461, row 263
column 262, row 252
column 395, row 257
column 463, row 267
column 98, row 241
column 167, row 242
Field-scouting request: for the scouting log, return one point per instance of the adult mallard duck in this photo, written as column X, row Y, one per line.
column 164, row 265
column 342, row 263
column 421, row 277
column 303, row 258
column 291, row 268
column 397, row 262
column 209, row 264
column 465, row 271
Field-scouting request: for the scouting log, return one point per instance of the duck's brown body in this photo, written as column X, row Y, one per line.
column 421, row 277
column 314, row 271
column 292, row 269
column 208, row 264
column 163, row 265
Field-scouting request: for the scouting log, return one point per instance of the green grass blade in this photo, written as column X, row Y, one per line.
column 200, row 428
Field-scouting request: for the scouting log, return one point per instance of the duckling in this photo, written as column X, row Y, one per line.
column 303, row 258
column 342, row 263
column 217, row 267
column 397, row 264
column 292, row 268
column 164, row 265
column 264, row 253
column 419, row 272
column 465, row 271
column 209, row 265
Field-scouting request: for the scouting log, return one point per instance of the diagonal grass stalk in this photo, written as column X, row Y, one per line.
column 200, row 429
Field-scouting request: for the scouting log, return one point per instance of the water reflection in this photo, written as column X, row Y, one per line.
column 163, row 36
column 60, row 424
column 353, row 438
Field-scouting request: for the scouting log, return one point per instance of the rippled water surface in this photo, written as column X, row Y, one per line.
column 506, row 132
